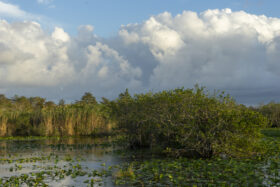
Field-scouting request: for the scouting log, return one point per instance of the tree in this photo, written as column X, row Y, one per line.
column 50, row 104
column 21, row 103
column 61, row 102
column 88, row 98
column 4, row 102
column 37, row 102
column 125, row 95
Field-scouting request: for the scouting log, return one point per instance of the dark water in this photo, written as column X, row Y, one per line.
column 31, row 156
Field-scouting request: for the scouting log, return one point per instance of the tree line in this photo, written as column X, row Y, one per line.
column 184, row 122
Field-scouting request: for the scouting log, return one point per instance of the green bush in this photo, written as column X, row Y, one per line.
column 188, row 122
column 272, row 112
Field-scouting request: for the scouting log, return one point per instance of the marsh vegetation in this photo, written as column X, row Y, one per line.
column 180, row 137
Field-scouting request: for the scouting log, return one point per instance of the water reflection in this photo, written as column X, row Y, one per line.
column 64, row 153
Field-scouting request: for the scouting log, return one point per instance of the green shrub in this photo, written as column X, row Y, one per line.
column 189, row 121
column 272, row 112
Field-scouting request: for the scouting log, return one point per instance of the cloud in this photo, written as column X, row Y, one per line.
column 14, row 12
column 44, row 1
column 30, row 58
column 220, row 49
column 10, row 10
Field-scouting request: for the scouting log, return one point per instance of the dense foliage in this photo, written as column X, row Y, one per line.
column 188, row 122
column 182, row 122
column 21, row 116
column 272, row 112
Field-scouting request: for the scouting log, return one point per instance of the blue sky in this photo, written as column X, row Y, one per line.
column 107, row 15
column 63, row 48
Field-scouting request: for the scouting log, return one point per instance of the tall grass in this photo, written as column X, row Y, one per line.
column 68, row 120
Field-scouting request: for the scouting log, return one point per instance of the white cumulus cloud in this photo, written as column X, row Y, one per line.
column 14, row 12
column 220, row 49
column 32, row 58
column 216, row 48
column 10, row 10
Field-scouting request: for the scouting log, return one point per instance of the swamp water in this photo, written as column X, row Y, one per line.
column 57, row 162
column 100, row 162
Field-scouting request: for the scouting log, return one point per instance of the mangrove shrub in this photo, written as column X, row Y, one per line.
column 272, row 112
column 188, row 122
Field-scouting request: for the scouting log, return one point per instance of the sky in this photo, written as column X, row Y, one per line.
column 63, row 48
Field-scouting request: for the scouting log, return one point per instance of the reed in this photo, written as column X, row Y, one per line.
column 3, row 125
column 68, row 120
